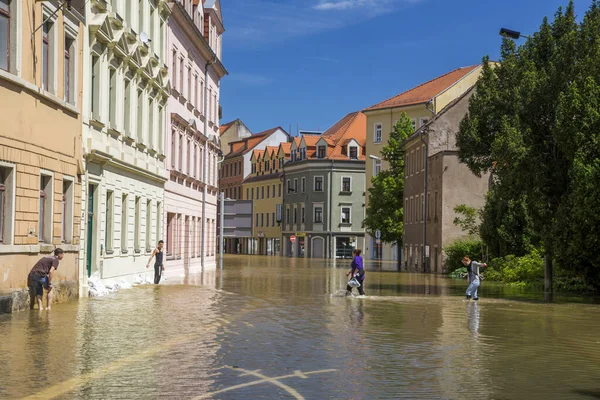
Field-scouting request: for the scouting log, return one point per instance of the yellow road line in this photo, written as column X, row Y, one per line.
column 266, row 379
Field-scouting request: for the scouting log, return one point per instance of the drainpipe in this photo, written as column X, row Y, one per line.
column 204, row 167
column 331, row 213
column 425, row 157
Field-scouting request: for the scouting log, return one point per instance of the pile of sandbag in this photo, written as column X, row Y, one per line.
column 98, row 288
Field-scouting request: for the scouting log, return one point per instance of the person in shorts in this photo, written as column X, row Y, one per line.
column 41, row 277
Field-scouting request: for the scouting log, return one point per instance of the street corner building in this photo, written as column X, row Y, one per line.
column 236, row 167
column 436, row 108
column 324, row 191
column 41, row 76
column 194, row 55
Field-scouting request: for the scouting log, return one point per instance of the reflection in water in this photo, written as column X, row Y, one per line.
column 411, row 337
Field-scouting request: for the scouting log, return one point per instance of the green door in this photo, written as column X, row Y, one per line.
column 90, row 230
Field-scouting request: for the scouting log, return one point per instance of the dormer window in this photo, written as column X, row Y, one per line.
column 281, row 162
column 293, row 155
column 267, row 165
column 321, row 150
column 353, row 153
column 253, row 168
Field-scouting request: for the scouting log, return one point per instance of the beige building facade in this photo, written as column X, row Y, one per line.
column 421, row 104
column 449, row 184
column 40, row 144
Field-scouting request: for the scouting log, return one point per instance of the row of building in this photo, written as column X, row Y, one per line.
column 309, row 193
column 110, row 136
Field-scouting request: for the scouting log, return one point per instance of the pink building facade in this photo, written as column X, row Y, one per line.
column 192, row 150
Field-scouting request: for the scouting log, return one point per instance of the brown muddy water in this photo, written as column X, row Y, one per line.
column 278, row 328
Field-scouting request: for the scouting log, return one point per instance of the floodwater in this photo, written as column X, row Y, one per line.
column 276, row 328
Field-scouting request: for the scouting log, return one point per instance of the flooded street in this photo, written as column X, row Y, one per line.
column 272, row 328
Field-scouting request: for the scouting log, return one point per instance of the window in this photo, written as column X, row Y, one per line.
column 196, row 91
column 127, row 104
column 95, row 88
column 67, row 211
column 171, row 222
column 7, row 188
column 378, row 136
column 405, row 211
column 281, row 162
column 412, row 162
column 273, row 219
column 189, row 84
column 376, row 167
column 140, row 118
column 296, row 185
column 424, row 161
column 273, row 190
column 410, row 210
column 303, row 185
column 5, row 31
column 109, row 225
column 202, row 93
column 424, row 121
column 267, row 220
column 256, row 220
column 69, row 66
column 262, row 192
column 112, row 98
column 247, row 194
column 148, row 225
column 318, row 217
column 346, row 184
column 318, row 184
column 137, row 228
column 288, row 186
column 413, row 122
column 47, row 45
column 254, row 168
column 180, row 152
column 321, row 152
column 173, row 148
column 279, row 210
column 181, row 75
column 174, row 70
column 417, row 160
column 189, row 156
column 353, row 152
column 141, row 16
column 435, row 205
column 295, row 215
column 422, row 208
column 268, row 191
column 345, row 215
column 293, row 155
column 279, row 190
column 262, row 219
column 45, row 214
column 287, row 215
column 124, row 226
column 302, row 214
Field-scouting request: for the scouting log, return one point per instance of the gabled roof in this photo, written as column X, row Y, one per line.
column 426, row 91
column 286, row 147
column 256, row 154
column 310, row 141
column 246, row 144
column 226, row 126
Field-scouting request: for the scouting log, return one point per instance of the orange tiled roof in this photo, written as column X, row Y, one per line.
column 425, row 91
column 310, row 140
column 286, row 147
column 245, row 145
column 224, row 127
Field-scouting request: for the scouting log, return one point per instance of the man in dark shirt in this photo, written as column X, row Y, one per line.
column 159, row 267
column 41, row 276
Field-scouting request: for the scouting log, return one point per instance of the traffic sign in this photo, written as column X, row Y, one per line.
column 377, row 234
column 292, row 238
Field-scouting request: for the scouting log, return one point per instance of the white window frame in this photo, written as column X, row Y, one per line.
column 47, row 234
column 148, row 227
column 70, row 205
column 376, row 163
column 322, row 183
column 71, row 32
column 49, row 15
column 16, row 38
column 124, row 224
column 324, row 153
column 357, row 152
column 342, row 184
column 315, row 207
column 10, row 189
column 109, row 235
column 349, row 215
column 378, row 138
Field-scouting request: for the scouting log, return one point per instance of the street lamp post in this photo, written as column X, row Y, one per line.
column 509, row 33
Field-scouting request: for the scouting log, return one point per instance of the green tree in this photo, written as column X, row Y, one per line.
column 385, row 211
column 535, row 118
column 467, row 219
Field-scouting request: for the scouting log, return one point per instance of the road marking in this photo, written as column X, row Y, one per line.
column 265, row 379
column 71, row 384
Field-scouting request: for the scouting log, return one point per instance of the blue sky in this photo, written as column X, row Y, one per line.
column 310, row 62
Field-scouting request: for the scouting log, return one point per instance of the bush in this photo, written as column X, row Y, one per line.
column 528, row 269
column 459, row 273
column 457, row 250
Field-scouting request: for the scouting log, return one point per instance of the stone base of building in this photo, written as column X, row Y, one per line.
column 20, row 299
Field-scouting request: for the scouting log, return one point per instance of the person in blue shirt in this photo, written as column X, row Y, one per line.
column 358, row 272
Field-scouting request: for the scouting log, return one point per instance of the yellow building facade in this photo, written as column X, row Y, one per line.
column 40, row 141
column 264, row 187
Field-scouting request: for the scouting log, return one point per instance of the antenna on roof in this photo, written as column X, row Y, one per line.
column 291, row 133
column 297, row 129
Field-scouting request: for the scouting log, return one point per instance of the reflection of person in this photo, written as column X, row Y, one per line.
column 41, row 276
column 159, row 267
column 357, row 272
column 473, row 276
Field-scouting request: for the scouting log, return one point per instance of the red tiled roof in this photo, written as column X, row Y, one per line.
column 425, row 91
column 286, row 147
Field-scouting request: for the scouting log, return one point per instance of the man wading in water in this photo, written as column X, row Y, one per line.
column 158, row 264
column 41, row 276
column 474, row 279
